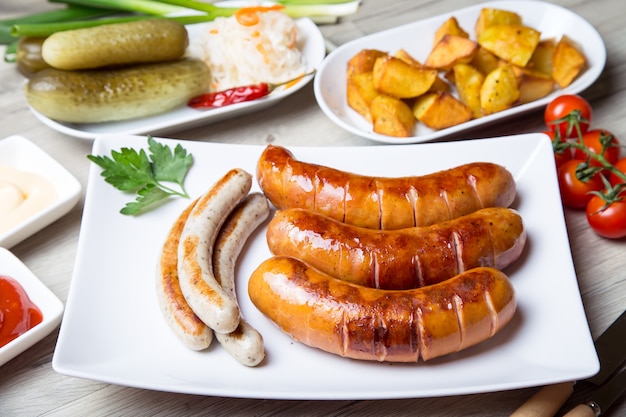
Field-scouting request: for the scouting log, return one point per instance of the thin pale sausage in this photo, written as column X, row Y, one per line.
column 185, row 324
column 245, row 343
column 205, row 295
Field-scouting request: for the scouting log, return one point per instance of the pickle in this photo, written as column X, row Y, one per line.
column 102, row 95
column 142, row 41
column 28, row 55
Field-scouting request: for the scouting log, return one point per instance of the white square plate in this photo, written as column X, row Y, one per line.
column 416, row 38
column 22, row 154
column 113, row 330
column 310, row 42
column 51, row 307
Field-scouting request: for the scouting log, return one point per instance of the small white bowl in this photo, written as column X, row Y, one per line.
column 51, row 307
column 20, row 153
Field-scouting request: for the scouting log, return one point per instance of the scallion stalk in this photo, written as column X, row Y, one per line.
column 69, row 13
column 156, row 8
column 321, row 11
column 47, row 29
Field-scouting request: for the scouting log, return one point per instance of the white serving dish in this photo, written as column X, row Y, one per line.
column 20, row 153
column 551, row 20
column 51, row 307
column 310, row 42
column 113, row 330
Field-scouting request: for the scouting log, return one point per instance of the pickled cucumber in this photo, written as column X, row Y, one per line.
column 102, row 95
column 150, row 40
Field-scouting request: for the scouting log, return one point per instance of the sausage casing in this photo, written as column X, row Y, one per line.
column 402, row 258
column 178, row 315
column 379, row 202
column 206, row 297
column 382, row 325
column 245, row 343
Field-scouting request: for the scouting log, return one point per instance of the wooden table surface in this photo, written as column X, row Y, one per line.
column 28, row 384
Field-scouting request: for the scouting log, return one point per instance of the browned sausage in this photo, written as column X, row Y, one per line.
column 382, row 325
column 178, row 315
column 402, row 258
column 380, row 202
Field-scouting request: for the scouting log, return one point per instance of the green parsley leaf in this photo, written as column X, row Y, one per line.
column 148, row 197
column 168, row 166
column 146, row 174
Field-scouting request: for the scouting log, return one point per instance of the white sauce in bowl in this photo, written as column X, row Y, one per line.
column 22, row 195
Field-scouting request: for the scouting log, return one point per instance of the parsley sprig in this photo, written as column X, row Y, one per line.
column 154, row 177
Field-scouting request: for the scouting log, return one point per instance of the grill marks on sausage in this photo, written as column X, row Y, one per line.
column 178, row 315
column 381, row 325
column 201, row 290
column 398, row 259
column 382, row 202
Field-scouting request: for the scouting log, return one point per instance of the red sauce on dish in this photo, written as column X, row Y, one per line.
column 18, row 313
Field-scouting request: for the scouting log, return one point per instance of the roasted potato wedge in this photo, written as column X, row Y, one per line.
column 438, row 84
column 449, row 27
column 491, row 17
column 391, row 116
column 484, row 61
column 439, row 110
column 512, row 43
column 468, row 81
column 532, row 85
column 451, row 50
column 396, row 78
column 541, row 59
column 360, row 93
column 364, row 61
column 500, row 90
column 567, row 62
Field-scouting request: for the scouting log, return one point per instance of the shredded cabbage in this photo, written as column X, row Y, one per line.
column 240, row 55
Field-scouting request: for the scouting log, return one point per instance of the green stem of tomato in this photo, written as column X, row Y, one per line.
column 579, row 144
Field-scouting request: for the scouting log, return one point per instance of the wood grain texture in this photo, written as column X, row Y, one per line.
column 29, row 386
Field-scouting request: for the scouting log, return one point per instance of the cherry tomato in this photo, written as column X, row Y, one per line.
column 560, row 156
column 561, row 107
column 574, row 192
column 609, row 221
column 593, row 141
column 621, row 165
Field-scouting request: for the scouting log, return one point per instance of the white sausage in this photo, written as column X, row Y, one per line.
column 245, row 344
column 215, row 307
column 179, row 316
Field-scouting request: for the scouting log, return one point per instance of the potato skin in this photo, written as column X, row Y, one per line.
column 93, row 96
column 151, row 40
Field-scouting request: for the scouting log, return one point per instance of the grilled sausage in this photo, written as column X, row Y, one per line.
column 178, row 315
column 206, row 297
column 382, row 203
column 245, row 343
column 382, row 325
column 402, row 258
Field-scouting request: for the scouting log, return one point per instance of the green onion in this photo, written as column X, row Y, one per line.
column 62, row 15
column 136, row 6
column 47, row 29
column 321, row 11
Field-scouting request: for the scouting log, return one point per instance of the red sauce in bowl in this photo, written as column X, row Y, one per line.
column 18, row 313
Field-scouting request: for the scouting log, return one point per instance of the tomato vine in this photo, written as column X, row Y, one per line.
column 590, row 171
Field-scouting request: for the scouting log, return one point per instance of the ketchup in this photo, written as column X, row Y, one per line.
column 18, row 313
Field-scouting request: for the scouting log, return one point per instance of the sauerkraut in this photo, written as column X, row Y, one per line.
column 240, row 54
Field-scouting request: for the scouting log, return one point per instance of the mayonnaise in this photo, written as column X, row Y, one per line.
column 22, row 195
